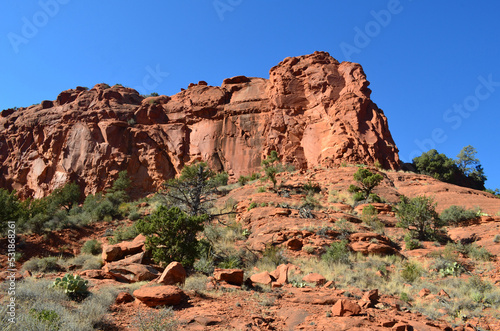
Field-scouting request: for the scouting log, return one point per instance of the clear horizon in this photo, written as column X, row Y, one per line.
column 433, row 69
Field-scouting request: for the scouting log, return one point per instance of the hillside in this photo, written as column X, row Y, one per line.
column 265, row 217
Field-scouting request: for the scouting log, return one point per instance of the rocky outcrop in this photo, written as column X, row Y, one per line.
column 313, row 110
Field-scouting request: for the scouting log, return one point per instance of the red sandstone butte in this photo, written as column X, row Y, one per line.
column 312, row 110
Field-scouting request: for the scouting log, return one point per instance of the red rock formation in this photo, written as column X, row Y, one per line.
column 313, row 110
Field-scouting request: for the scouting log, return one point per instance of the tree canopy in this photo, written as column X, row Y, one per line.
column 465, row 171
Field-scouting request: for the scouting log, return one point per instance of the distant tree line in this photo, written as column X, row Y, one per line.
column 465, row 171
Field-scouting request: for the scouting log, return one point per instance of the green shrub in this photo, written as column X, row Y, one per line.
column 86, row 262
column 274, row 255
column 479, row 253
column 496, row 240
column 252, row 206
column 231, row 262
column 410, row 272
column 338, row 252
column 92, row 247
column 419, row 216
column 254, row 176
column 410, row 243
column 312, row 188
column 49, row 318
column 404, row 297
column 42, row 265
column 243, row 180
column 171, row 235
column 344, row 227
column 456, row 215
column 10, row 208
column 358, row 196
column 261, row 189
column 367, row 181
column 124, row 233
column 134, row 215
column 220, row 179
column 271, row 167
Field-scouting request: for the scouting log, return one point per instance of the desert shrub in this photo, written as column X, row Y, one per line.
column 367, row 181
column 230, row 262
column 85, row 262
column 410, row 272
column 261, row 189
column 124, row 233
column 10, row 208
column 134, row 215
column 220, row 179
column 217, row 248
column 48, row 318
column 312, row 188
column 252, row 206
column 270, row 165
column 411, row 243
column 40, row 307
column 404, row 297
column 369, row 217
column 419, row 216
column 156, row 320
column 92, row 247
column 171, row 235
column 273, row 255
column 338, row 252
column 243, row 180
column 196, row 282
column 310, row 202
column 42, row 265
column 471, row 250
column 496, row 240
column 308, row 249
column 344, row 227
column 479, row 253
column 456, row 215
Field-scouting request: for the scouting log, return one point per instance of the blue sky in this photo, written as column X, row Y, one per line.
column 433, row 66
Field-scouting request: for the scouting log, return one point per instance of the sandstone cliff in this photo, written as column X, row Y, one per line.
column 313, row 110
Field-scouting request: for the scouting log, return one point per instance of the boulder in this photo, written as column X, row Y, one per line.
column 345, row 307
column 130, row 272
column 281, row 274
column 262, row 278
column 95, row 273
column 314, row 278
column 173, row 274
column 230, row 276
column 294, row 244
column 166, row 295
column 112, row 253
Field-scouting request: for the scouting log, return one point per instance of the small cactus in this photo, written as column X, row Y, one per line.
column 73, row 286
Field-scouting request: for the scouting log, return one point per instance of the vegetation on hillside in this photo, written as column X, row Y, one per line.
column 465, row 171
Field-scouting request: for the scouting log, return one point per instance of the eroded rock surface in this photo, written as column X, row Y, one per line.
column 313, row 110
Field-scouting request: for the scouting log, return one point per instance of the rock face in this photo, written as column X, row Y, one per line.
column 312, row 110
